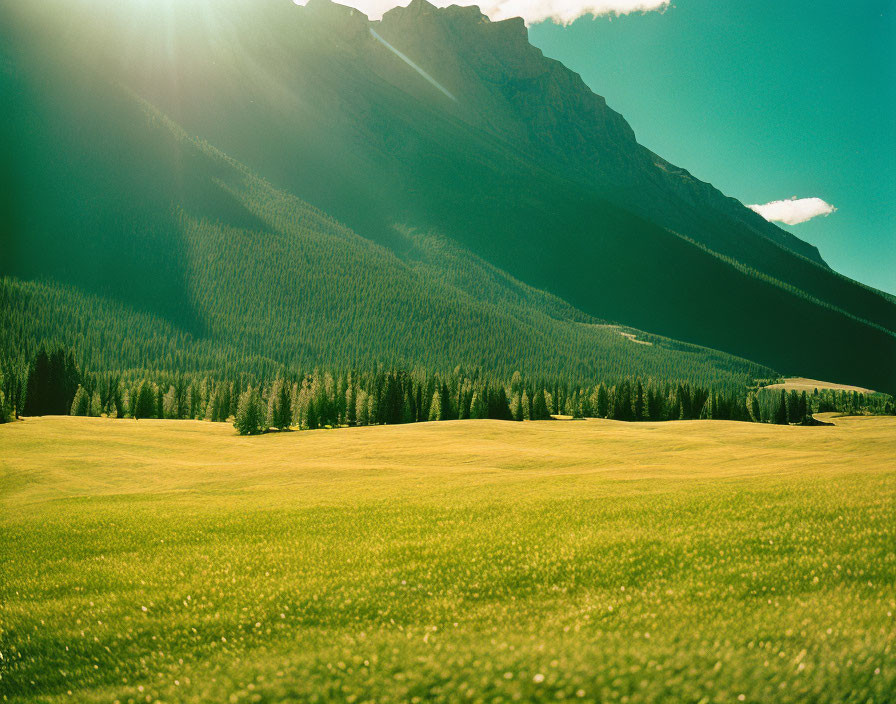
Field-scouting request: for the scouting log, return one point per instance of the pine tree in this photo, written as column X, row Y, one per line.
column 6, row 412
column 144, row 401
column 408, row 414
column 362, row 416
column 284, row 404
column 96, row 404
column 638, row 404
column 169, row 403
column 477, row 407
column 793, row 408
column 526, row 406
column 753, row 408
column 371, row 409
column 249, row 419
column 279, row 414
column 53, row 381
column 686, row 409
column 273, row 411
column 603, row 401
column 81, row 403
column 351, row 407
column 312, row 420
column 655, row 404
column 447, row 411
column 803, row 409
column 499, row 406
column 780, row 416
column 435, row 408
column 540, row 406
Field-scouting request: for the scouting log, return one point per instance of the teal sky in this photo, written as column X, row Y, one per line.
column 765, row 100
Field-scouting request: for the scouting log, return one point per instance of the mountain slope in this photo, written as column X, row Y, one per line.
column 525, row 168
column 262, row 280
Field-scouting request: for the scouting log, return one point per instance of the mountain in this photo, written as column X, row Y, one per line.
column 301, row 184
column 213, row 269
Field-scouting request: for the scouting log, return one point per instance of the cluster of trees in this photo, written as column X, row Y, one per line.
column 52, row 383
column 783, row 407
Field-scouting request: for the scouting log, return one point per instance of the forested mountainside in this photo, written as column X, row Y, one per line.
column 265, row 281
column 363, row 214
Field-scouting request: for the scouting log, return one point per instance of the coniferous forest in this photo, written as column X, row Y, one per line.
column 52, row 384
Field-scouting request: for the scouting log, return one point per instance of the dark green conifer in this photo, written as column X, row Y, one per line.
column 250, row 416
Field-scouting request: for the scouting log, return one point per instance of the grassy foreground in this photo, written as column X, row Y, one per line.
column 697, row 561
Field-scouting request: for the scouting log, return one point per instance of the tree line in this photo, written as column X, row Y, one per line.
column 51, row 383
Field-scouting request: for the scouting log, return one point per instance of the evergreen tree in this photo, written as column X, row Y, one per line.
column 351, row 406
column 656, row 406
column 144, row 401
column 81, row 403
column 477, row 407
column 803, row 410
column 53, row 380
column 603, row 401
column 499, row 406
column 780, row 416
column 753, row 408
column 279, row 413
column 249, row 418
column 362, row 414
column 6, row 412
column 371, row 408
column 447, row 412
column 685, row 402
column 283, row 418
column 408, row 414
column 169, row 403
column 312, row 420
column 435, row 408
column 540, row 406
column 639, row 405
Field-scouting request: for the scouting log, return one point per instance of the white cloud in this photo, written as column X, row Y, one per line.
column 532, row 11
column 793, row 211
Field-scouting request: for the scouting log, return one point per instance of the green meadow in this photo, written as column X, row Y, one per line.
column 470, row 561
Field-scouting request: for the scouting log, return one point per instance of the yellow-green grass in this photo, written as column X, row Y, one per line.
column 695, row 561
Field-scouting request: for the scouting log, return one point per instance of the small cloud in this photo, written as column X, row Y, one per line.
column 793, row 211
column 532, row 11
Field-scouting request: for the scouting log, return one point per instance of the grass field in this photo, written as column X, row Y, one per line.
column 473, row 561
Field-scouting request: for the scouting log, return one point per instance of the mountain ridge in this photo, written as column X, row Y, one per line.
column 511, row 35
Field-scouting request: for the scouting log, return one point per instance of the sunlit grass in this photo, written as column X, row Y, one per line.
column 470, row 561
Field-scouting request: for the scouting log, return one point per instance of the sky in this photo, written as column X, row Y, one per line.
column 767, row 101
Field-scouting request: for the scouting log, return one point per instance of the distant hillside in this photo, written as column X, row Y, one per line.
column 363, row 214
column 811, row 385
